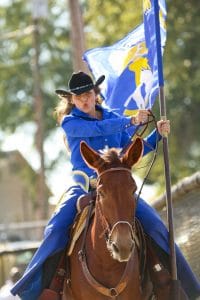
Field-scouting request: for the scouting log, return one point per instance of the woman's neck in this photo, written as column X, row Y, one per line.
column 96, row 114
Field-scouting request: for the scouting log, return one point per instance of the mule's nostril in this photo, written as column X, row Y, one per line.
column 115, row 248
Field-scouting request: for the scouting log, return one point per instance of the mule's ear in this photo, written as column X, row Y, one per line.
column 90, row 156
column 133, row 153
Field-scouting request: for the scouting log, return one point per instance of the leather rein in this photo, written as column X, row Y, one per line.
column 112, row 292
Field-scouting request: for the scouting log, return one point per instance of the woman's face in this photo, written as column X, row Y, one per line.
column 85, row 102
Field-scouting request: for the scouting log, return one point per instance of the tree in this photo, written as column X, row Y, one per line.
column 21, row 80
column 182, row 77
column 16, row 85
column 42, row 202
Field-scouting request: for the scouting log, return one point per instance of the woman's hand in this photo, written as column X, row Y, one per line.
column 141, row 117
column 163, row 127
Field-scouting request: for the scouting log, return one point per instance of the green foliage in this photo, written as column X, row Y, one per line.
column 182, row 65
column 108, row 21
column 16, row 63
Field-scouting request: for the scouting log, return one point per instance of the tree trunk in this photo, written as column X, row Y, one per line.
column 77, row 36
column 41, row 204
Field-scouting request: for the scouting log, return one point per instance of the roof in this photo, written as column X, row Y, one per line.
column 179, row 190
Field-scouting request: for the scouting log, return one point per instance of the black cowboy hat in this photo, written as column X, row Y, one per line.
column 80, row 83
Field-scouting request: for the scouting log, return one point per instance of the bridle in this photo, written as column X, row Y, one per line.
column 107, row 229
column 112, row 292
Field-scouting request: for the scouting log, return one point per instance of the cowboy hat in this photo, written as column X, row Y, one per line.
column 80, row 83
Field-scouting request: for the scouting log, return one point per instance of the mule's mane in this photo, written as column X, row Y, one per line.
column 111, row 157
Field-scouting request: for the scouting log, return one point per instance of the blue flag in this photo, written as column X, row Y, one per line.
column 130, row 65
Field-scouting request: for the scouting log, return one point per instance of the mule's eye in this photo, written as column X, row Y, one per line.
column 101, row 194
column 134, row 188
column 100, row 191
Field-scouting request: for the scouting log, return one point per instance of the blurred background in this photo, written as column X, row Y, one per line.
column 41, row 43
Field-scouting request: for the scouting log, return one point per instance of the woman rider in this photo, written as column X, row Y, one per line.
column 82, row 118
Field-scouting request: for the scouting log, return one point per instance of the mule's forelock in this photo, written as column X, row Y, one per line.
column 111, row 157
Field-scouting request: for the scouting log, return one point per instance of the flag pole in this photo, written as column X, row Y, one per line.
column 162, row 104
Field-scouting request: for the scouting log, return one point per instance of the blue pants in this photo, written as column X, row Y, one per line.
column 56, row 236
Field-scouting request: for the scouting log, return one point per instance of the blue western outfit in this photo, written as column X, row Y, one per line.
column 109, row 132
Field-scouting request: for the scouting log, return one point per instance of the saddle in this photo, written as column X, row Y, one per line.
column 80, row 219
column 61, row 271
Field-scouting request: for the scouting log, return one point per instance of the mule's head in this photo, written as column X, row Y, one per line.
column 115, row 195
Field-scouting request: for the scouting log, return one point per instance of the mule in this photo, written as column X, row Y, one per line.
column 109, row 268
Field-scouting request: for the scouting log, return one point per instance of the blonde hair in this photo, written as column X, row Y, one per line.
column 65, row 105
column 63, row 108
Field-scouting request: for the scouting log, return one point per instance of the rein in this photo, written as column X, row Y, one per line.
column 153, row 119
column 153, row 159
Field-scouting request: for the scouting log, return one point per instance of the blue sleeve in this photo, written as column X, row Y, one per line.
column 125, row 139
column 77, row 127
column 150, row 141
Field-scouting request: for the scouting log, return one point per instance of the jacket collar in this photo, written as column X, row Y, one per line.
column 78, row 113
